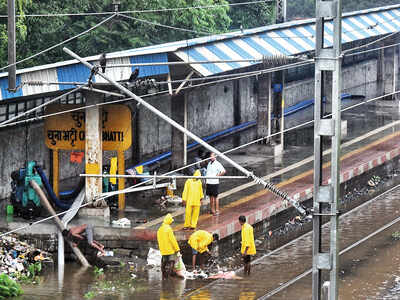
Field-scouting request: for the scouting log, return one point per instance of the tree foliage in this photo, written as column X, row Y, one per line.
column 301, row 9
column 118, row 34
column 253, row 15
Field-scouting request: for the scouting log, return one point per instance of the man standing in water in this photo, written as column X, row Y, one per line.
column 214, row 168
column 199, row 242
column 168, row 246
column 248, row 247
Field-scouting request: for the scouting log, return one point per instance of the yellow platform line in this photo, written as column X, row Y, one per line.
column 282, row 184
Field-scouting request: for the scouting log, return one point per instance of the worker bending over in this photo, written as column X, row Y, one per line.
column 248, row 247
column 168, row 246
column 191, row 197
column 199, row 241
column 74, row 234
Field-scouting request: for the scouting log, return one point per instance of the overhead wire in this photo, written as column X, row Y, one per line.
column 228, row 76
column 343, row 251
column 40, row 106
column 230, row 34
column 160, row 10
column 250, row 143
column 174, row 28
column 107, row 195
column 370, row 43
column 234, row 149
column 36, row 118
column 61, row 43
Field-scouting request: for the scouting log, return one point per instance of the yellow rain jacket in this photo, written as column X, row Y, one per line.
column 199, row 240
column 166, row 239
column 193, row 190
column 248, row 239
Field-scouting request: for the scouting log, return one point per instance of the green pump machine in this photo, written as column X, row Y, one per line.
column 23, row 197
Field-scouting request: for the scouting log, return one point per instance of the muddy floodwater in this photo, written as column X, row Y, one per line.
column 369, row 271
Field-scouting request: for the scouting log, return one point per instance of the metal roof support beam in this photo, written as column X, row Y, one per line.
column 102, row 92
column 267, row 185
column 184, row 82
column 327, row 61
column 169, row 84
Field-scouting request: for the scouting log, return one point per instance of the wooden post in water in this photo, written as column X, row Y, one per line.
column 58, row 222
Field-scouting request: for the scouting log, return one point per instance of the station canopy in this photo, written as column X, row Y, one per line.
column 288, row 39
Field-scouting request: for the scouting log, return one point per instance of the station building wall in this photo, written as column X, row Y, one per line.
column 211, row 109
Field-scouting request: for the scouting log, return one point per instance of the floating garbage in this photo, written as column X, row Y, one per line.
column 106, row 253
column 374, row 181
column 122, row 222
column 16, row 256
column 195, row 275
column 154, row 257
column 225, row 275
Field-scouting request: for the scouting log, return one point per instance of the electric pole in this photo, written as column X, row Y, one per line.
column 279, row 83
column 12, row 70
column 327, row 59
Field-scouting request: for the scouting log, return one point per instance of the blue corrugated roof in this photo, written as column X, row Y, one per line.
column 289, row 38
column 71, row 73
column 145, row 71
column 3, row 88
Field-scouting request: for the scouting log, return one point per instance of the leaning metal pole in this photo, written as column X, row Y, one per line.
column 266, row 185
column 327, row 59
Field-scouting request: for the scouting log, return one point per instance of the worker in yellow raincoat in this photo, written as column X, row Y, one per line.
column 248, row 247
column 168, row 246
column 199, row 241
column 191, row 197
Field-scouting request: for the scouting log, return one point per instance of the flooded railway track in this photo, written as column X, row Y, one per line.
column 287, row 267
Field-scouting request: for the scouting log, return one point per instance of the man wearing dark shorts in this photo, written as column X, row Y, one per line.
column 214, row 168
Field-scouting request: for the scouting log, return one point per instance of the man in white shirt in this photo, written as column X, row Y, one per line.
column 214, row 168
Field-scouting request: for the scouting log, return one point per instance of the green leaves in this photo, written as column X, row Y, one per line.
column 8, row 287
column 39, row 33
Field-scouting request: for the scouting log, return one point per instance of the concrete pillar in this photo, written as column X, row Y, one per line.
column 395, row 72
column 185, row 124
column 93, row 146
column 263, row 106
column 177, row 137
column 236, row 110
column 278, row 87
column 380, row 74
column 56, row 172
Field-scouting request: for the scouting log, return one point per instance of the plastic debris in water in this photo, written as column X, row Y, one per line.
column 122, row 222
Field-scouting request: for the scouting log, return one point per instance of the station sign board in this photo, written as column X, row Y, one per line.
column 67, row 131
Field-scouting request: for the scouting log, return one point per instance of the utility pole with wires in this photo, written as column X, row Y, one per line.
column 280, row 11
column 278, row 87
column 12, row 70
column 267, row 185
column 327, row 59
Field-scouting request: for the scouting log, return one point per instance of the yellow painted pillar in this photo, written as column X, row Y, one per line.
column 93, row 146
column 56, row 172
column 121, row 181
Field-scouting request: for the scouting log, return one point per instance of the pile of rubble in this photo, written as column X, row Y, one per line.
column 16, row 256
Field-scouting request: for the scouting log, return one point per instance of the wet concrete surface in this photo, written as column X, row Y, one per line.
column 378, row 256
column 268, row 273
